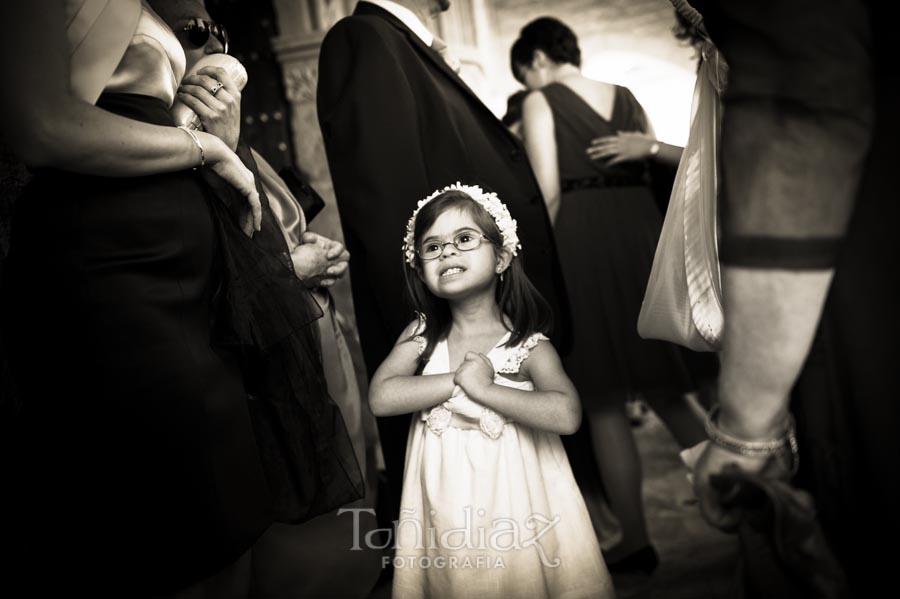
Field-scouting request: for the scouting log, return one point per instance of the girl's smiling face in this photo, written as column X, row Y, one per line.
column 454, row 273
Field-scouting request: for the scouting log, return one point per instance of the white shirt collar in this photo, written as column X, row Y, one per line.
column 407, row 17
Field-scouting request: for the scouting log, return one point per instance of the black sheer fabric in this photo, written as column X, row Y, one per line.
column 796, row 128
column 784, row 552
column 265, row 314
column 138, row 318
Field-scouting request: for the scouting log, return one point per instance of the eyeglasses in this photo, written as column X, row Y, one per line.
column 198, row 31
column 464, row 242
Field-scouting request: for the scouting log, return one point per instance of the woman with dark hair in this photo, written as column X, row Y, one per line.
column 607, row 226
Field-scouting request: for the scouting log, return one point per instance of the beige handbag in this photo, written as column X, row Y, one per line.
column 683, row 301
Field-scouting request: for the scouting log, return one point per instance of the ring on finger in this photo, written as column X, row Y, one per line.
column 215, row 88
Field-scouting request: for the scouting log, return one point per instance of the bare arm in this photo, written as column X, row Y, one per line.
column 540, row 145
column 553, row 406
column 395, row 389
column 47, row 126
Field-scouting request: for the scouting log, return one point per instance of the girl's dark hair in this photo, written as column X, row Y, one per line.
column 551, row 36
column 516, row 297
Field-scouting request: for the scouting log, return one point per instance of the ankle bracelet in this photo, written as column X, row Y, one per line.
column 786, row 445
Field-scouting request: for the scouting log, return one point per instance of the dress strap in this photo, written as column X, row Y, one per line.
column 423, row 343
column 521, row 353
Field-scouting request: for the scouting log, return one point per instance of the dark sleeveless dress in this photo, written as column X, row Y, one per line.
column 606, row 232
column 171, row 397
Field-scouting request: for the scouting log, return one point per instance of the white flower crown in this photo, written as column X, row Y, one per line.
column 489, row 201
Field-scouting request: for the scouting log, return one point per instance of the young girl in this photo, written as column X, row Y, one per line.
column 489, row 507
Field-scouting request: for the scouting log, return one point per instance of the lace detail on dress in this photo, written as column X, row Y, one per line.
column 417, row 332
column 439, row 419
column 521, row 353
column 491, row 424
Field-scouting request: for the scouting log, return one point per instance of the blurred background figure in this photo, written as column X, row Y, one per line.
column 579, row 446
column 606, row 224
column 810, row 260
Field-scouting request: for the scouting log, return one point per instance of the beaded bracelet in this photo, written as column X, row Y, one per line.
column 786, row 444
column 196, row 143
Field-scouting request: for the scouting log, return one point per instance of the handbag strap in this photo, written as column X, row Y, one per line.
column 701, row 260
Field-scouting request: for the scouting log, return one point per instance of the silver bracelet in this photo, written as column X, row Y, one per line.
column 196, row 143
column 784, row 445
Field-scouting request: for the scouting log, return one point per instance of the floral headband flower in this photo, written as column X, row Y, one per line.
column 489, row 201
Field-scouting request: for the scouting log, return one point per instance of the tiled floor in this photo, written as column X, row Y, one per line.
column 697, row 562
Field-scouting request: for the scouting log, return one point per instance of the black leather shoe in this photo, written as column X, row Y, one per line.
column 644, row 560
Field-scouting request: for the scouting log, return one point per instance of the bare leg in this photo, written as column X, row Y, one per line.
column 680, row 418
column 620, row 467
column 766, row 343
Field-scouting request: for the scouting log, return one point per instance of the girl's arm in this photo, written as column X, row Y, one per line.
column 395, row 389
column 46, row 126
column 553, row 406
column 540, row 145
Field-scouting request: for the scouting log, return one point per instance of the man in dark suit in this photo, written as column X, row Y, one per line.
column 398, row 123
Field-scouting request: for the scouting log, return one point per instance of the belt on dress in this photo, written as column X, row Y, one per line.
column 603, row 181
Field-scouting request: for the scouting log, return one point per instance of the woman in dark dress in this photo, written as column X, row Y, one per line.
column 134, row 467
column 607, row 225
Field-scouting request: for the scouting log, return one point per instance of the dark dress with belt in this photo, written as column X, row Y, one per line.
column 606, row 233
column 134, row 468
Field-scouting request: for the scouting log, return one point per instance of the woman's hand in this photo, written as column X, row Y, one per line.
column 475, row 374
column 334, row 250
column 227, row 165
column 625, row 146
column 220, row 113
column 319, row 261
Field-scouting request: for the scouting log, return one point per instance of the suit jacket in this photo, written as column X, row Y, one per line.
column 398, row 124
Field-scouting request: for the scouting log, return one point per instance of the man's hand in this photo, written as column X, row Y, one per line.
column 220, row 113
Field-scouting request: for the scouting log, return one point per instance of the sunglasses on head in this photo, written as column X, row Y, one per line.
column 198, row 31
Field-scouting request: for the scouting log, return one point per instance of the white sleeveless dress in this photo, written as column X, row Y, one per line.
column 492, row 517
